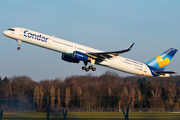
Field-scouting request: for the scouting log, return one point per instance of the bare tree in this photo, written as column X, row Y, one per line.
column 171, row 93
column 139, row 97
column 177, row 98
column 133, row 93
column 68, row 93
column 58, row 97
column 156, row 99
column 79, row 90
column 52, row 93
column 36, row 95
column 41, row 92
column 110, row 94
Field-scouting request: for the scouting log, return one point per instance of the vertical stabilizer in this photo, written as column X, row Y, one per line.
column 161, row 61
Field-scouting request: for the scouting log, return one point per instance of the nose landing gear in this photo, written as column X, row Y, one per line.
column 18, row 48
column 19, row 42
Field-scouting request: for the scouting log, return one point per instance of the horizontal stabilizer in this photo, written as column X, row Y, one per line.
column 165, row 72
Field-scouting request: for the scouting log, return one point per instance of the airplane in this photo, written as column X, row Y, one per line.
column 74, row 53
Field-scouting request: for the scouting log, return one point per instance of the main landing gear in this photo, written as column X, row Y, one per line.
column 87, row 68
column 19, row 42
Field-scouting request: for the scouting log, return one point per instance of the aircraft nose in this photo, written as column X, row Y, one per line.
column 5, row 32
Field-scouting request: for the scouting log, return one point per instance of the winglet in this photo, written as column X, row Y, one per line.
column 130, row 47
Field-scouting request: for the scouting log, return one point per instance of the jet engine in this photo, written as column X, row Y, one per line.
column 80, row 56
column 69, row 59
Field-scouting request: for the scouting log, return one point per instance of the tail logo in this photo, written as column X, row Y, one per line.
column 162, row 62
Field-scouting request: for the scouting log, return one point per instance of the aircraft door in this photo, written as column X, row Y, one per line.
column 21, row 32
column 145, row 69
column 120, row 62
column 49, row 41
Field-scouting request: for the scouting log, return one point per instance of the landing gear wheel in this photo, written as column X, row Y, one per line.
column 87, row 69
column 18, row 48
column 90, row 67
column 93, row 69
column 83, row 68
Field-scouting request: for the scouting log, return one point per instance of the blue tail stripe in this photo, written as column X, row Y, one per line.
column 171, row 52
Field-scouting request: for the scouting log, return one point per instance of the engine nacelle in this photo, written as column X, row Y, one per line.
column 69, row 59
column 80, row 56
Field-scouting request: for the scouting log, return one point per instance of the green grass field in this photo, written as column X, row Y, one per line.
column 92, row 115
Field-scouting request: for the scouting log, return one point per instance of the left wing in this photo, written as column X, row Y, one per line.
column 104, row 55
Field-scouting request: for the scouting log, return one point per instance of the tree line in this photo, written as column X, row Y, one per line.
column 89, row 91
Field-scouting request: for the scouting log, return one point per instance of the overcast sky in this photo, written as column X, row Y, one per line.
column 108, row 25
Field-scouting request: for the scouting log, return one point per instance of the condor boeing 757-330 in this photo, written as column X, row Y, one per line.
column 72, row 52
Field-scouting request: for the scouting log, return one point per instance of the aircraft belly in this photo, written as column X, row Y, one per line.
column 115, row 65
column 119, row 65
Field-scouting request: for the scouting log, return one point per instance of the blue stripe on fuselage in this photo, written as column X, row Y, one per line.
column 154, row 69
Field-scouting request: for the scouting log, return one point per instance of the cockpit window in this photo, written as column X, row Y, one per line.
column 11, row 29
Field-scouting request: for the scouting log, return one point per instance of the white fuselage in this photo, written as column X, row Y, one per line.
column 67, row 47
